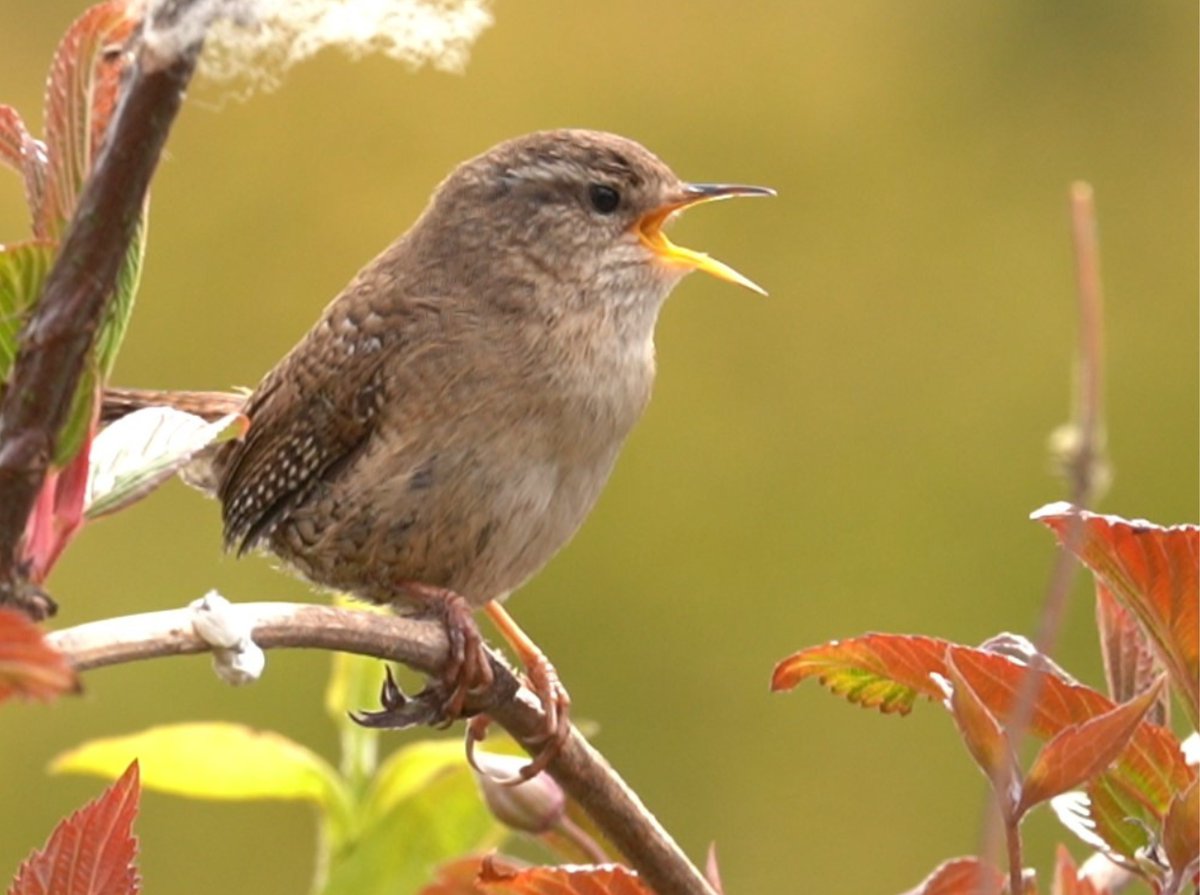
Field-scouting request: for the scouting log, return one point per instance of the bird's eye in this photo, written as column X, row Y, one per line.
column 604, row 198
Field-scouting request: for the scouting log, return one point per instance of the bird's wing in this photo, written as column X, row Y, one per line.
column 310, row 415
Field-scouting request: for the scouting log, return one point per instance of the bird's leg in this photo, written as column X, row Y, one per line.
column 467, row 670
column 543, row 681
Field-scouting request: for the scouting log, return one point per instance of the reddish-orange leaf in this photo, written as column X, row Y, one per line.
column 81, row 93
column 1066, row 877
column 12, row 138
column 961, row 876
column 1181, row 836
column 884, row 671
column 20, row 150
column 571, row 879
column 30, row 667
column 1129, row 663
column 983, row 734
column 1154, row 572
column 92, row 851
column 1150, row 769
column 1080, row 752
column 461, row 876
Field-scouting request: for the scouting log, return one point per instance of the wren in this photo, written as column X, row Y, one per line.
column 450, row 420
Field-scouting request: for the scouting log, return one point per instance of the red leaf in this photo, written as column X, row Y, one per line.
column 961, row 876
column 1066, row 877
column 887, row 671
column 581, row 879
column 92, row 851
column 895, row 668
column 1129, row 663
column 1153, row 571
column 1181, row 837
column 1080, row 752
column 461, row 876
column 1150, row 769
column 24, row 153
column 30, row 667
column 983, row 735
column 81, row 94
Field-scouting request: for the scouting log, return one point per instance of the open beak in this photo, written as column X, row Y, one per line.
column 649, row 228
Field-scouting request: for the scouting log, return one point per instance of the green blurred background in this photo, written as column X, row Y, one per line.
column 857, row 452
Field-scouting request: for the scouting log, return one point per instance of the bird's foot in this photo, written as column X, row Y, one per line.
column 542, row 679
column 467, row 671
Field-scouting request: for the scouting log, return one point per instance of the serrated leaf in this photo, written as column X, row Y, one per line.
column 81, row 95
column 23, row 269
column 572, row 879
column 1129, row 663
column 1150, row 768
column 1079, row 752
column 27, row 155
column 92, row 851
column 884, row 671
column 983, row 735
column 1153, row 571
column 961, row 876
column 400, row 849
column 135, row 455
column 212, row 760
column 1142, row 780
column 30, row 667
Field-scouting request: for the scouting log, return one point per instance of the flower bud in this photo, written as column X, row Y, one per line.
column 535, row 806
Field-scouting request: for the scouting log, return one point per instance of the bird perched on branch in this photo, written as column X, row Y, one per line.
column 450, row 420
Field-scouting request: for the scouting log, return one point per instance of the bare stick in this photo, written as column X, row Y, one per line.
column 421, row 645
column 1081, row 448
column 59, row 335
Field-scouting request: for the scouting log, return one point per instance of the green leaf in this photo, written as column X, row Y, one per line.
column 23, row 269
column 433, row 814
column 409, row 770
column 119, row 310
column 212, row 760
column 354, row 685
column 140, row 451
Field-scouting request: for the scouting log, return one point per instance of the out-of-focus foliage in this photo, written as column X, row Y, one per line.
column 859, row 451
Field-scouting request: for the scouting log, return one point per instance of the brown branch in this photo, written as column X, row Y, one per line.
column 421, row 645
column 1081, row 444
column 58, row 336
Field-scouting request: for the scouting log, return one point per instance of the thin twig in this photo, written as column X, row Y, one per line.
column 56, row 340
column 1086, row 471
column 421, row 645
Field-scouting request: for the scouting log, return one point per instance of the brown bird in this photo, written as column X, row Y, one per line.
column 449, row 422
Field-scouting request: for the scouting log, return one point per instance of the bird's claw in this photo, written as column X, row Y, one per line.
column 400, row 710
column 543, row 680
